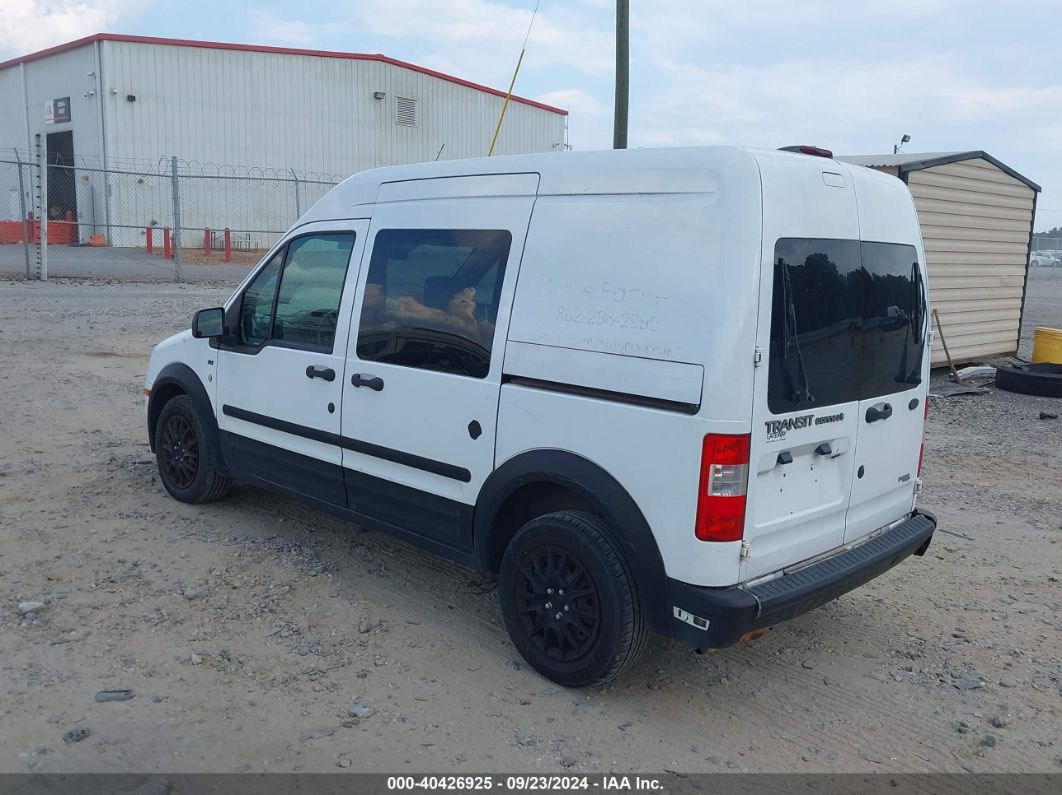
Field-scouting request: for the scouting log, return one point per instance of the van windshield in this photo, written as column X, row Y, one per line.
column 847, row 322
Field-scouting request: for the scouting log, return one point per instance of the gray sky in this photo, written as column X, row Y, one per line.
column 850, row 76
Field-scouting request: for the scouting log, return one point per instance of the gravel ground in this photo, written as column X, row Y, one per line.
column 259, row 635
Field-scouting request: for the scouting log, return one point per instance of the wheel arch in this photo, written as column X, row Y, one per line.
column 180, row 379
column 543, row 481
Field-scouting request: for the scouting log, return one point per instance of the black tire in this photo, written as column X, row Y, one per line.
column 1041, row 379
column 589, row 635
column 185, row 455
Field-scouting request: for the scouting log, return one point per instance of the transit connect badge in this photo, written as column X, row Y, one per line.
column 777, row 429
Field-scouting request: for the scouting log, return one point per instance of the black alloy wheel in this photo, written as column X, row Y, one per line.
column 179, row 452
column 559, row 606
column 187, row 453
column 569, row 599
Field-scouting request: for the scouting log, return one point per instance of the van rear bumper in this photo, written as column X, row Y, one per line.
column 711, row 618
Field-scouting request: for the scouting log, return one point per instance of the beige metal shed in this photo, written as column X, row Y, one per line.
column 976, row 215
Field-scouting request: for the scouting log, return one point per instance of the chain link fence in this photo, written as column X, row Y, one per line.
column 17, row 229
column 173, row 219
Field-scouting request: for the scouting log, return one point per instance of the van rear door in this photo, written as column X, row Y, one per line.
column 895, row 362
column 807, row 385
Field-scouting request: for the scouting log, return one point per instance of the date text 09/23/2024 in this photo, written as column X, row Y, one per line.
column 521, row 783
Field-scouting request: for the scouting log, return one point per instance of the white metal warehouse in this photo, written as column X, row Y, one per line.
column 116, row 101
column 976, row 215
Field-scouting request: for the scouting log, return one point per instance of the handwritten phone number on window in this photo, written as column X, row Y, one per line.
column 600, row 317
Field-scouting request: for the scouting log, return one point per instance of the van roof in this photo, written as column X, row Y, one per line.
column 703, row 169
column 609, row 171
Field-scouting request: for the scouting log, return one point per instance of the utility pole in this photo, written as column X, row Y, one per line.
column 178, row 271
column 619, row 135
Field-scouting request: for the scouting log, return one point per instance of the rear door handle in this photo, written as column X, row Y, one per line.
column 375, row 383
column 879, row 411
column 324, row 373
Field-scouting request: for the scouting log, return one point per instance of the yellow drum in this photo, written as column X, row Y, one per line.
column 1047, row 345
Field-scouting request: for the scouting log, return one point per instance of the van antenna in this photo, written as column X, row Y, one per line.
column 439, row 153
column 512, row 85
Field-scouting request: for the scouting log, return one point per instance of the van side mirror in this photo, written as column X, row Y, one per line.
column 208, row 323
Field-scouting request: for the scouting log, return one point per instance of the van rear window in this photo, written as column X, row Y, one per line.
column 847, row 322
column 894, row 321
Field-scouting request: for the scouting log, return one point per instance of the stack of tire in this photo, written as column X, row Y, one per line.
column 1044, row 376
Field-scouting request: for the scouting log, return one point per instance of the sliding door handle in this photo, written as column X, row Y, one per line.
column 375, row 383
column 324, row 373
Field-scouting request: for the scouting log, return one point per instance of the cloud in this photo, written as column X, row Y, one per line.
column 575, row 100
column 268, row 28
column 589, row 119
column 31, row 25
column 945, row 100
column 481, row 39
column 755, row 29
column 833, row 101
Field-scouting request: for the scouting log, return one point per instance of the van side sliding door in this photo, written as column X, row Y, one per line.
column 424, row 358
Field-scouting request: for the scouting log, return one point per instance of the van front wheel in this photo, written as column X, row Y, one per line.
column 569, row 602
column 186, row 459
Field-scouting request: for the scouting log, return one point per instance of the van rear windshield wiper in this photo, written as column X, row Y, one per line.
column 798, row 393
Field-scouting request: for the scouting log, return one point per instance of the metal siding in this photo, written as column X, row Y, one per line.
column 299, row 111
column 62, row 75
column 975, row 225
column 934, row 220
column 938, row 226
column 976, row 180
column 317, row 115
column 12, row 113
column 65, row 74
column 926, row 189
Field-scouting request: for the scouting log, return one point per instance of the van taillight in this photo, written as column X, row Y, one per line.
column 922, row 447
column 723, row 485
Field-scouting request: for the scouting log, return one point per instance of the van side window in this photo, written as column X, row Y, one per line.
column 431, row 298
column 311, row 287
column 816, row 350
column 256, row 305
column 310, row 271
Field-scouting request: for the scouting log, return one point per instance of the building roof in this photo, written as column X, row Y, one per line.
column 214, row 45
column 922, row 160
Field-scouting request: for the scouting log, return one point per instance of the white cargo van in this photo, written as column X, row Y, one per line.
column 679, row 391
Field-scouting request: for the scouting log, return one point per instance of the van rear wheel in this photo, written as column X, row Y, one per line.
column 569, row 601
